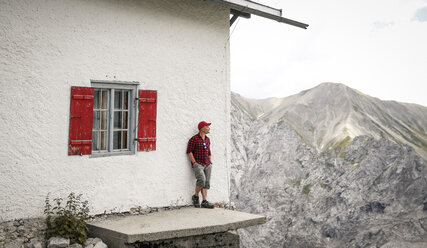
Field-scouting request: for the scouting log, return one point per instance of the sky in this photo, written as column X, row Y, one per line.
column 378, row 47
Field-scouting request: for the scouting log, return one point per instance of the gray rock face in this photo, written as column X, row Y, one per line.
column 372, row 193
column 100, row 245
column 94, row 243
column 13, row 244
column 58, row 242
column 37, row 245
column 75, row 246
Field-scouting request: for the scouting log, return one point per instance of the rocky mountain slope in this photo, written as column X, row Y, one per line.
column 369, row 191
column 330, row 115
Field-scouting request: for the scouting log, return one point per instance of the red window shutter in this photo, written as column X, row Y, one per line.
column 81, row 118
column 147, row 120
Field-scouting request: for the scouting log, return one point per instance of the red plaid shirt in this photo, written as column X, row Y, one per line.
column 201, row 149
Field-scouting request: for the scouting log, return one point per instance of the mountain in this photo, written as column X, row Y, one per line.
column 291, row 161
column 330, row 115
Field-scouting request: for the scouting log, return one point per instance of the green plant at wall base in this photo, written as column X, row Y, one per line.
column 67, row 221
column 306, row 189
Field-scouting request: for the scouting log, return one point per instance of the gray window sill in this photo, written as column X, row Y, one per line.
column 109, row 154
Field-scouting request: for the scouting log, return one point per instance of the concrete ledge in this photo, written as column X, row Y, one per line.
column 170, row 224
column 228, row 239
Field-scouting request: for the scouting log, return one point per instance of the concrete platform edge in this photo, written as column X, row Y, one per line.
column 194, row 231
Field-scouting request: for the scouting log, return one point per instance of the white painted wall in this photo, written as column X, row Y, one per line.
column 179, row 48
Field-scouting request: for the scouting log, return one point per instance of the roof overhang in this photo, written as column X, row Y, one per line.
column 249, row 7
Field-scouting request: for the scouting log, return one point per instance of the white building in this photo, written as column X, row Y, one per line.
column 177, row 49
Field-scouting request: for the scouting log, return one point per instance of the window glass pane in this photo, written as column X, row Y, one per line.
column 125, row 119
column 104, row 120
column 117, row 119
column 103, row 140
column 96, row 120
column 104, row 99
column 96, row 99
column 117, row 99
column 125, row 100
column 95, row 143
column 117, row 139
column 114, row 124
column 125, row 140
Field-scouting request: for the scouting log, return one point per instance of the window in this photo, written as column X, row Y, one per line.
column 112, row 118
column 120, row 117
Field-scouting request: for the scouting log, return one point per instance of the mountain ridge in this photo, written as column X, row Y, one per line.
column 330, row 115
column 326, row 83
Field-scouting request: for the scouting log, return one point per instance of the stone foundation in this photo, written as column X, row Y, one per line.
column 29, row 233
column 224, row 239
column 22, row 233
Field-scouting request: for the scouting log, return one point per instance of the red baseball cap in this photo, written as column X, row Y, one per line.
column 203, row 124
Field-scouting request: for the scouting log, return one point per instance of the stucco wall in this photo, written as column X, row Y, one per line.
column 179, row 48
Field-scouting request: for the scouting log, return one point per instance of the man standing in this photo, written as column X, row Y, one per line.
column 199, row 152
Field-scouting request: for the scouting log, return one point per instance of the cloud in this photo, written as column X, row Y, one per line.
column 381, row 25
column 421, row 14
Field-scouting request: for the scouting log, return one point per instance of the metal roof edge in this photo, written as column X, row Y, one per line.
column 258, row 9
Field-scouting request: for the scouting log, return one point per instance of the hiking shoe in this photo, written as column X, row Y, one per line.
column 196, row 202
column 206, row 204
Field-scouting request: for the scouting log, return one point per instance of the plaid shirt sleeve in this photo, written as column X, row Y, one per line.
column 191, row 145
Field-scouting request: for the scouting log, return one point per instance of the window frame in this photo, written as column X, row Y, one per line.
column 132, row 86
